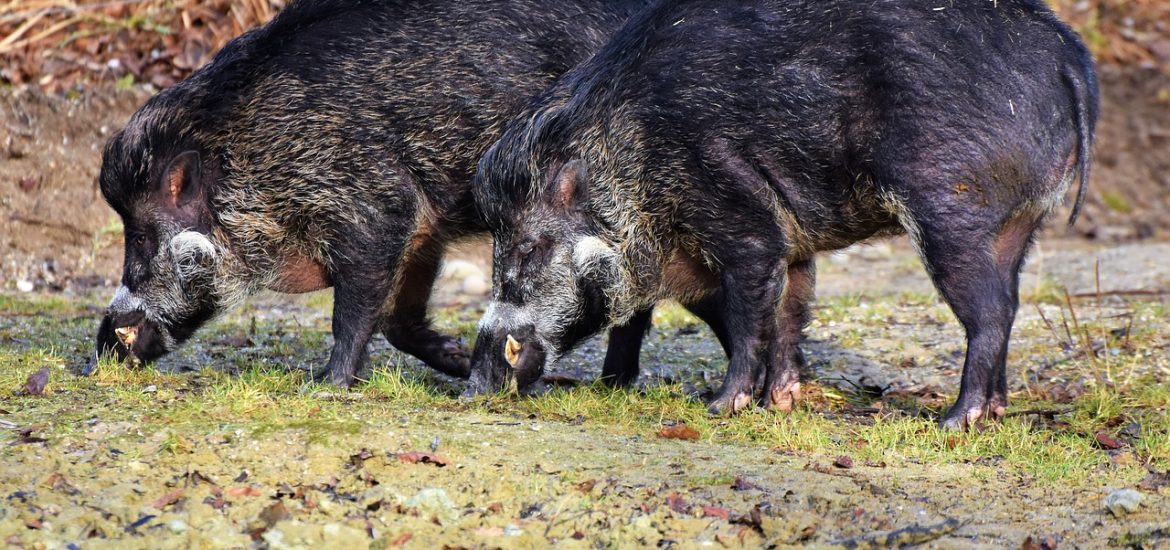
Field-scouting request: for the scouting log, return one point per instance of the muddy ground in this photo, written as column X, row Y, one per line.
column 185, row 456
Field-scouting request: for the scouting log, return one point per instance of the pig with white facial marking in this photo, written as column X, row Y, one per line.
column 713, row 147
column 332, row 147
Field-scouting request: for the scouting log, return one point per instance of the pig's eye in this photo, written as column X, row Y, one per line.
column 532, row 250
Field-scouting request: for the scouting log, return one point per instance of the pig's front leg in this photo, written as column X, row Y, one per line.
column 751, row 291
column 362, row 280
column 407, row 326
column 625, row 345
column 625, row 342
column 782, row 381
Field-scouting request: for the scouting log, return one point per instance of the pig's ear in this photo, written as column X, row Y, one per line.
column 573, row 185
column 182, row 179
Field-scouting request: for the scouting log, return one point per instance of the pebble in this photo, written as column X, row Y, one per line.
column 1123, row 501
column 435, row 502
column 25, row 286
column 177, row 525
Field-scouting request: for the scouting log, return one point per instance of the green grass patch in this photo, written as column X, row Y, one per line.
column 1124, row 400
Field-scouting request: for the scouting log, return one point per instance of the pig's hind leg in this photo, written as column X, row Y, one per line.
column 973, row 253
column 406, row 325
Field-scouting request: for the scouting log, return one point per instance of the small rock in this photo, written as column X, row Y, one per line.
column 434, row 502
column 25, row 286
column 150, row 389
column 177, row 525
column 1124, row 501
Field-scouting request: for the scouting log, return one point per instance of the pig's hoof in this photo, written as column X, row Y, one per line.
column 783, row 398
column 454, row 360
column 729, row 403
column 475, row 388
column 964, row 418
column 340, row 379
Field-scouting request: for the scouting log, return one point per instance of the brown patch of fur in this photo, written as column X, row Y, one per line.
column 299, row 274
column 1012, row 240
column 687, row 278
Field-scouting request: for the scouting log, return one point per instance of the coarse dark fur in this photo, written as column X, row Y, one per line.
column 333, row 146
column 714, row 147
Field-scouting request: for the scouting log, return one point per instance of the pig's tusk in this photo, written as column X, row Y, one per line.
column 127, row 335
column 512, row 351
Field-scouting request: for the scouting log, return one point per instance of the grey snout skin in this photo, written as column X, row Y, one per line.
column 503, row 357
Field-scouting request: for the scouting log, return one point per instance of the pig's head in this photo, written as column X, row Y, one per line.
column 160, row 183
column 554, row 278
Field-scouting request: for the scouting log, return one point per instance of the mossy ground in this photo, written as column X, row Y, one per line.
column 228, row 445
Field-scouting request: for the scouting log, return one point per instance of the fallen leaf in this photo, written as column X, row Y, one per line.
column 357, row 460
column 35, row 385
column 242, row 492
column 1106, row 442
column 489, row 531
column 27, row 184
column 194, row 477
column 26, row 435
column 495, row 507
column 1154, row 481
column 168, row 499
column 677, row 503
column 143, row 520
column 844, row 462
column 274, row 513
column 58, row 483
column 716, row 512
column 742, row 484
column 402, row 539
column 587, row 485
column 732, row 538
column 415, row 457
column 1039, row 543
column 679, row 431
column 33, row 523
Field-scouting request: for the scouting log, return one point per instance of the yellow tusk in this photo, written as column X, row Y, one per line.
column 512, row 351
column 127, row 335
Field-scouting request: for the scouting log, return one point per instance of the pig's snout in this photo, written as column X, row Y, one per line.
column 506, row 360
column 525, row 357
column 108, row 342
column 129, row 334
